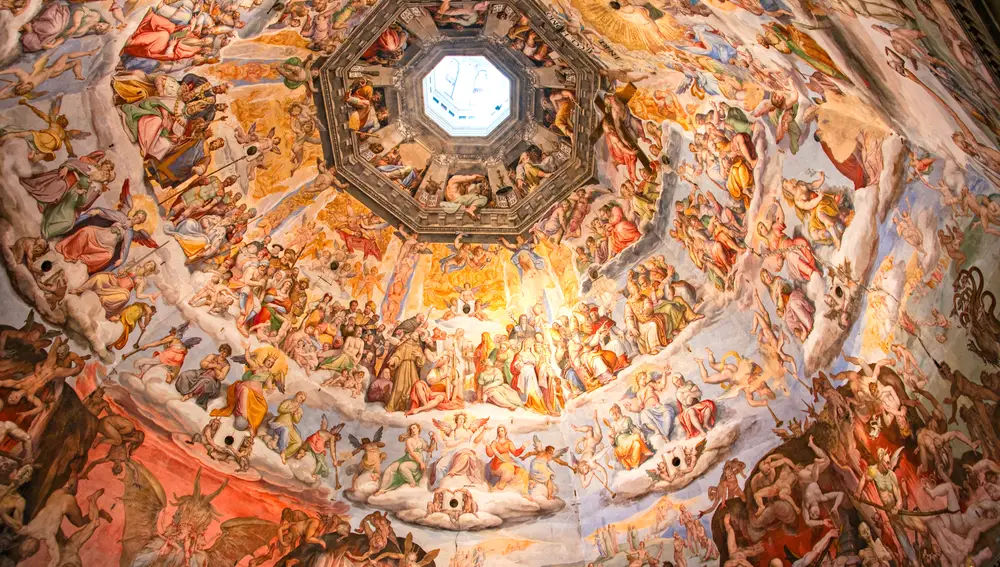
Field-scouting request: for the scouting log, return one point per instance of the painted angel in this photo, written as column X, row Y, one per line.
column 262, row 147
column 102, row 238
column 459, row 440
column 540, row 471
column 44, row 143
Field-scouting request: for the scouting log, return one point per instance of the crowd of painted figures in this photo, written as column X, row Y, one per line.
column 881, row 468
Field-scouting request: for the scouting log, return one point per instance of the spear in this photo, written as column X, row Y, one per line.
column 251, row 151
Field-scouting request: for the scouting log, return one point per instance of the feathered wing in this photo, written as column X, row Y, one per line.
column 444, row 426
column 559, row 453
column 125, row 197
column 353, row 441
column 378, row 435
column 192, row 342
column 143, row 237
column 240, row 537
column 144, row 500
column 539, row 446
column 479, row 423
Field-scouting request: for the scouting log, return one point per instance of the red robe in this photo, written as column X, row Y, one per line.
column 704, row 409
column 621, row 233
column 152, row 40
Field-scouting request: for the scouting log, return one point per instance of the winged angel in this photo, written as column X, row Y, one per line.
column 182, row 542
column 102, row 238
column 268, row 145
column 540, row 471
column 460, row 440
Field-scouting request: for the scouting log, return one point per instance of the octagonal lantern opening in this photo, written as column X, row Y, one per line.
column 466, row 96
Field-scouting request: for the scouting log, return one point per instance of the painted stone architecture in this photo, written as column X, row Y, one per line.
column 355, row 283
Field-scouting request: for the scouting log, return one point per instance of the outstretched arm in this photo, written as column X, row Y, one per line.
column 37, row 112
column 19, row 73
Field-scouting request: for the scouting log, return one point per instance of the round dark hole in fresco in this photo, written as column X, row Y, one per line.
column 334, row 265
column 839, row 292
column 453, row 503
column 594, row 273
column 47, row 266
column 229, row 440
column 466, row 309
column 676, row 461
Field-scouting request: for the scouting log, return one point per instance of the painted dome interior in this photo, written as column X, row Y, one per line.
column 408, row 283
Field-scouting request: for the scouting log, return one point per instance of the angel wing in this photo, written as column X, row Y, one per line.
column 270, row 133
column 323, row 423
column 243, row 137
column 378, row 435
column 353, row 441
column 192, row 342
column 240, row 537
column 560, row 452
column 182, row 328
column 443, row 426
column 539, row 446
column 142, row 237
column 77, row 134
column 144, row 500
column 479, row 423
column 240, row 358
column 125, row 197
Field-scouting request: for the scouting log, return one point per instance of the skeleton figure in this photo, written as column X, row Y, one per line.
column 883, row 476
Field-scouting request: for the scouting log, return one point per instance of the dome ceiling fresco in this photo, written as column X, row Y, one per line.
column 356, row 283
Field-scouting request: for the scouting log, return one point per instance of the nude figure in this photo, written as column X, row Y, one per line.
column 781, row 475
column 61, row 504
column 738, row 556
column 590, row 443
column 59, row 365
column 812, row 496
column 41, row 71
column 745, row 375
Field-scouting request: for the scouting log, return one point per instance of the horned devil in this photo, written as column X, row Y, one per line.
column 143, row 543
